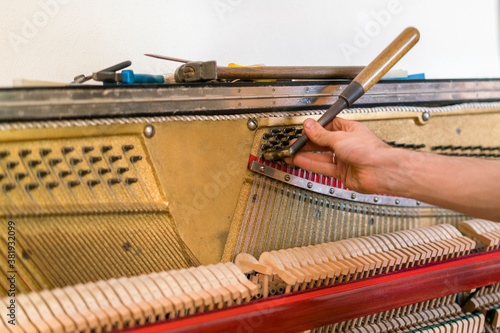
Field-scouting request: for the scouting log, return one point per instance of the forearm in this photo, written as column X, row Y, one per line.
column 467, row 185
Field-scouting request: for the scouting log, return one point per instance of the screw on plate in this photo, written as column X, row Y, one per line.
column 252, row 124
column 426, row 116
column 149, row 131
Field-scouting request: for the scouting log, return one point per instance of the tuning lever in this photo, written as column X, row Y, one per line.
column 360, row 85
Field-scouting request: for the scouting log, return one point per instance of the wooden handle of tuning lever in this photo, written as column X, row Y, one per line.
column 389, row 56
column 361, row 84
column 372, row 73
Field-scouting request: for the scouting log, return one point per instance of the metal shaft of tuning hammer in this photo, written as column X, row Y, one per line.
column 370, row 75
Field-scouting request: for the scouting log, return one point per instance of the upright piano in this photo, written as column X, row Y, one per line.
column 149, row 208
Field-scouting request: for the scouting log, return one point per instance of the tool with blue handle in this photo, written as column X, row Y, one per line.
column 130, row 78
column 109, row 76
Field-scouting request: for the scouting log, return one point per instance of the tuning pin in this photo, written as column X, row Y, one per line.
column 45, row 151
column 121, row 170
column 51, row 185
column 73, row 183
column 129, row 181
column 93, row 182
column 95, row 159
column 66, row 150
column 113, row 181
column 24, row 152
column 31, row 186
column 126, row 148
column 87, row 149
column 105, row 149
column 34, row 163
column 54, row 161
column 43, row 173
column 134, row 159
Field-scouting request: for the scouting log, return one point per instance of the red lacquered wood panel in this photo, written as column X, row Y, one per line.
column 326, row 305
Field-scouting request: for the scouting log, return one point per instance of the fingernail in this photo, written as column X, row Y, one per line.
column 309, row 123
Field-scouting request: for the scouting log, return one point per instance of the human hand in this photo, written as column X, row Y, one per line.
column 361, row 160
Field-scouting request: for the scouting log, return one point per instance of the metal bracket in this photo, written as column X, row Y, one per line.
column 109, row 77
column 333, row 191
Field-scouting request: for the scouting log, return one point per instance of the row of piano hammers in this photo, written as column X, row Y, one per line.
column 438, row 319
column 114, row 304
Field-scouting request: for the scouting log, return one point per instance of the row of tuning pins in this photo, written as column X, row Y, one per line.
column 53, row 166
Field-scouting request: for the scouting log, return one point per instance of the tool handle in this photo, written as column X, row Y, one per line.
column 387, row 58
column 370, row 75
column 288, row 72
column 117, row 67
column 326, row 118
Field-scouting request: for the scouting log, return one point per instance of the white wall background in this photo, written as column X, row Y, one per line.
column 55, row 40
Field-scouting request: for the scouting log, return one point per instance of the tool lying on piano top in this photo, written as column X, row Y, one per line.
column 109, row 76
column 208, row 70
column 370, row 75
column 194, row 71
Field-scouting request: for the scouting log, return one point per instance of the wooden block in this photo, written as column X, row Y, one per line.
column 45, row 313
column 216, row 285
column 244, row 292
column 214, row 297
column 28, row 317
column 57, row 311
column 178, row 305
column 94, row 307
column 177, row 290
column 69, row 307
column 104, row 305
column 198, row 289
column 247, row 263
column 253, row 289
column 146, row 298
column 138, row 314
column 235, row 294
